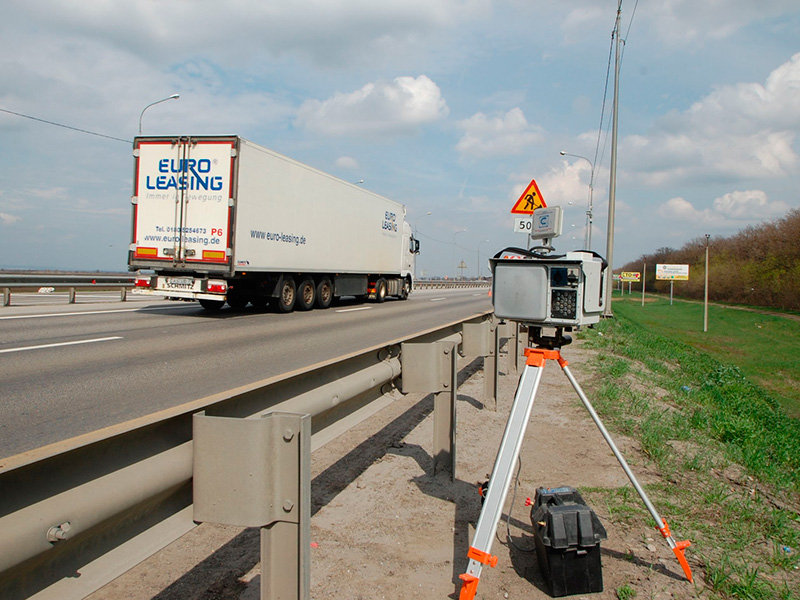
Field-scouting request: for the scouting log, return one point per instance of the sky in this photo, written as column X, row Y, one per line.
column 449, row 107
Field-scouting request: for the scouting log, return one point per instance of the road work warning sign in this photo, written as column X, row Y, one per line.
column 530, row 200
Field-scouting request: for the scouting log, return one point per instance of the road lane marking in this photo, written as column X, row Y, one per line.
column 437, row 299
column 94, row 312
column 106, row 339
column 354, row 309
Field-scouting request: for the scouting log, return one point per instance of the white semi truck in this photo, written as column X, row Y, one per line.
column 220, row 219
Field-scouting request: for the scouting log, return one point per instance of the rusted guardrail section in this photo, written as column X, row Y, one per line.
column 76, row 514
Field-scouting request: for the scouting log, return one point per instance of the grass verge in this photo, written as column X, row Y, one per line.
column 728, row 454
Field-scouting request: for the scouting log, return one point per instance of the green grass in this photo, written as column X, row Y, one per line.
column 727, row 452
column 764, row 347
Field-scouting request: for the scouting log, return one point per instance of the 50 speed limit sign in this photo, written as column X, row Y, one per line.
column 523, row 224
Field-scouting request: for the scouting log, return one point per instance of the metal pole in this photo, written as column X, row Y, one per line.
column 661, row 524
column 671, row 284
column 612, row 188
column 644, row 280
column 705, row 299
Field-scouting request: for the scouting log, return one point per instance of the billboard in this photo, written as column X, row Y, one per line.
column 672, row 272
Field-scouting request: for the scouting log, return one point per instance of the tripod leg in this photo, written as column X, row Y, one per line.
column 479, row 552
column 661, row 524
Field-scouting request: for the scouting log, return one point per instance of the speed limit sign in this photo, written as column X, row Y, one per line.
column 523, row 224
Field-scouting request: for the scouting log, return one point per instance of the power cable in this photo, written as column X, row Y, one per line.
column 110, row 137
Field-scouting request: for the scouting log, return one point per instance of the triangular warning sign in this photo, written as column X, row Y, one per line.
column 530, row 200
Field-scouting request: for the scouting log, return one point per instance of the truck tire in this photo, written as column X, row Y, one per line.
column 287, row 295
column 406, row 289
column 324, row 293
column 260, row 303
column 306, row 294
column 380, row 290
column 212, row 304
column 237, row 301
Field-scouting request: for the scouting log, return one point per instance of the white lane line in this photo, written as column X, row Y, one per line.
column 106, row 339
column 354, row 309
column 437, row 299
column 94, row 312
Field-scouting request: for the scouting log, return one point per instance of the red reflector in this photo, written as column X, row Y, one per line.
column 142, row 282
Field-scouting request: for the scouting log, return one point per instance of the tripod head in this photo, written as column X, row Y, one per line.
column 550, row 338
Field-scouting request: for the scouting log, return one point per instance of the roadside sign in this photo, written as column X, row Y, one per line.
column 530, row 200
column 672, row 272
column 630, row 276
column 522, row 224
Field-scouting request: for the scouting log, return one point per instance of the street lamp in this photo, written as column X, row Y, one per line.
column 588, row 237
column 173, row 97
column 705, row 293
column 454, row 249
column 417, row 221
column 479, row 256
column 416, row 238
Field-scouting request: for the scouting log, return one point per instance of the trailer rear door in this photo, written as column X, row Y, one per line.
column 183, row 202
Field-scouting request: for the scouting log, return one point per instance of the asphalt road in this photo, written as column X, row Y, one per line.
column 69, row 370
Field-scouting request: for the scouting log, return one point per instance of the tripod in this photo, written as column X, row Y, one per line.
column 479, row 554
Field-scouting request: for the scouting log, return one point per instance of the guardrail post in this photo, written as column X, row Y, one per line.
column 6, row 296
column 257, row 473
column 432, row 368
column 123, row 294
column 490, row 368
column 480, row 338
column 72, row 295
column 521, row 340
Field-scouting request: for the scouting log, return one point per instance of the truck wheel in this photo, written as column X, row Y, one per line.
column 237, row 301
column 212, row 304
column 260, row 303
column 380, row 290
column 287, row 295
column 324, row 293
column 306, row 294
column 405, row 290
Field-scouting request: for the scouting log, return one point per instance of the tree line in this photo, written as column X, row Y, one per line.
column 759, row 266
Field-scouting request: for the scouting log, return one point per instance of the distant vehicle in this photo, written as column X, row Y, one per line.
column 220, row 219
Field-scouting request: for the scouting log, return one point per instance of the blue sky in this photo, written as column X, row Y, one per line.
column 448, row 106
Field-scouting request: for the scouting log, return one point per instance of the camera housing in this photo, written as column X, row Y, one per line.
column 545, row 290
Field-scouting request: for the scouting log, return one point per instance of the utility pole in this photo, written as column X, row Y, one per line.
column 705, row 299
column 612, row 188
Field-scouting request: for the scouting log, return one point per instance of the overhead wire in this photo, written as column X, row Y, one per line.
column 110, row 137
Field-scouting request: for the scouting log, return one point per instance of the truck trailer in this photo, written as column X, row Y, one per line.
column 220, row 219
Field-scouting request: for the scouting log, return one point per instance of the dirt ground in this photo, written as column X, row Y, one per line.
column 384, row 527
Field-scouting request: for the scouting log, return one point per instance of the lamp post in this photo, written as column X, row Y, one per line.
column 454, row 250
column 479, row 256
column 705, row 295
column 417, row 221
column 587, row 239
column 173, row 97
column 415, row 237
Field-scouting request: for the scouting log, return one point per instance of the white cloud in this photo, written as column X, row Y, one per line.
column 688, row 21
column 347, row 162
column 738, row 131
column 7, row 219
column 398, row 107
column 732, row 209
column 505, row 134
column 752, row 204
column 326, row 31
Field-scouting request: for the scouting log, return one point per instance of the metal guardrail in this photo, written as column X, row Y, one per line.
column 430, row 284
column 77, row 514
column 70, row 282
